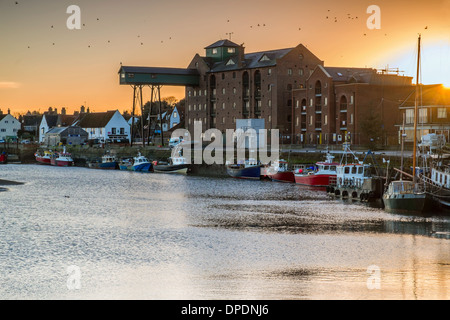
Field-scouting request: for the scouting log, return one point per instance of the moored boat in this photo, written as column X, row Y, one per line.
column 126, row 164
column 404, row 196
column 280, row 172
column 109, row 162
column 62, row 159
column 175, row 165
column 3, row 158
column 321, row 177
column 141, row 164
column 249, row 169
column 45, row 158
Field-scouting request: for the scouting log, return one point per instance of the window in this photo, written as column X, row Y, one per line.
column 423, row 115
column 174, row 115
column 269, row 71
column 325, row 120
column 409, row 116
column 230, row 62
column 223, row 120
column 301, row 71
column 442, row 113
column 223, row 91
column 231, row 50
column 113, row 130
column 214, row 51
column 122, row 130
column 290, row 72
column 264, row 58
column 325, row 103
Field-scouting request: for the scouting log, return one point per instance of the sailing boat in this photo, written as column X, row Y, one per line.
column 406, row 196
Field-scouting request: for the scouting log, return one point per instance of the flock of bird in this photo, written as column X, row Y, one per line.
column 329, row 17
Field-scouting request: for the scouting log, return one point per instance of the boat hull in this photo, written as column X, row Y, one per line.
column 43, row 160
column 181, row 168
column 408, row 203
column 315, row 180
column 252, row 173
column 61, row 163
column 143, row 167
column 108, row 166
column 288, row 177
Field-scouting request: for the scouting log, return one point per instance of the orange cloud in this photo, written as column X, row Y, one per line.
column 9, row 85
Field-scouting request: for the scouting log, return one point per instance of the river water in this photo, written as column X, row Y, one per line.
column 79, row 233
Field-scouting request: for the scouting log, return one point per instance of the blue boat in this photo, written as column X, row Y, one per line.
column 250, row 169
column 142, row 164
column 108, row 163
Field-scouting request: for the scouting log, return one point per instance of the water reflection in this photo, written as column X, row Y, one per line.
column 143, row 236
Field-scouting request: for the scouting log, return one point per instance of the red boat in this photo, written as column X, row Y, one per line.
column 3, row 158
column 62, row 159
column 319, row 177
column 44, row 159
column 279, row 172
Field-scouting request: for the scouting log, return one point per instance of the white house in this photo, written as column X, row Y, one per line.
column 110, row 125
column 170, row 119
column 9, row 127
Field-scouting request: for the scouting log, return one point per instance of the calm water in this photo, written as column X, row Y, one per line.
column 156, row 236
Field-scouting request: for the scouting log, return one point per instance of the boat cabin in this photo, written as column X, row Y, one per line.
column 401, row 187
column 441, row 177
column 352, row 174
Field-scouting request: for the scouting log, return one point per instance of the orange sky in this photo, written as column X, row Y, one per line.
column 43, row 66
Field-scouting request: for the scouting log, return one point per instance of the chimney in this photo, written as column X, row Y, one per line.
column 63, row 111
column 82, row 109
column 9, row 111
column 1, row 112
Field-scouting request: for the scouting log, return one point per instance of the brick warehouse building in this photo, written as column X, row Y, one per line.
column 294, row 92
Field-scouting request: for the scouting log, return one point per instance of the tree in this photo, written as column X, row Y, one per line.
column 372, row 130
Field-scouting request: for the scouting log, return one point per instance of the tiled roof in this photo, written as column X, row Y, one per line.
column 94, row 120
column 222, row 43
column 252, row 60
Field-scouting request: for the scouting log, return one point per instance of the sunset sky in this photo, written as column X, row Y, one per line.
column 44, row 64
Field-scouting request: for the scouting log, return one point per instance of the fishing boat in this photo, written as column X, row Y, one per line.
column 46, row 158
column 279, row 171
column 62, row 159
column 321, row 176
column 141, row 164
column 405, row 196
column 108, row 162
column 248, row 169
column 126, row 164
column 355, row 179
column 409, row 196
column 174, row 165
column 3, row 158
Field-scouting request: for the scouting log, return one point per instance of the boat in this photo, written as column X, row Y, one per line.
column 409, row 196
column 126, row 164
column 62, row 159
column 321, row 176
column 174, row 165
column 46, row 158
column 107, row 162
column 141, row 164
column 279, row 171
column 3, row 158
column 356, row 179
column 405, row 196
column 248, row 169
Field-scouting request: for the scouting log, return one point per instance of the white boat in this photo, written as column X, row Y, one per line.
column 142, row 164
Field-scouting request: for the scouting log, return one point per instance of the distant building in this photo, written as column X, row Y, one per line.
column 9, row 127
column 66, row 136
column 51, row 120
column 105, row 126
column 433, row 113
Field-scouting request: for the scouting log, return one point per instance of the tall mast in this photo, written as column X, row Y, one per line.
column 416, row 111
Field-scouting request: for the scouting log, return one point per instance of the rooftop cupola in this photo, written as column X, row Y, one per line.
column 223, row 50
